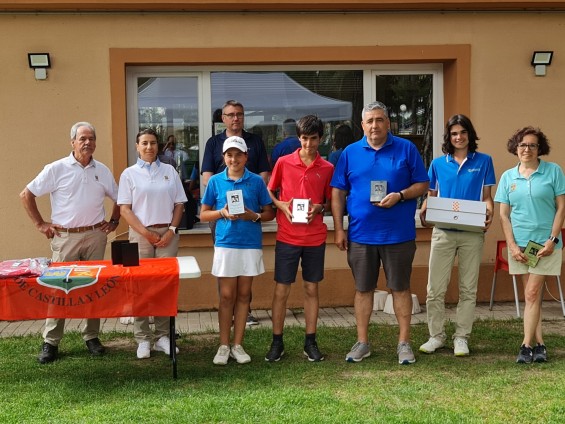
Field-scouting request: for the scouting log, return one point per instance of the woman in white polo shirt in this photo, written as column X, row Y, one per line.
column 151, row 199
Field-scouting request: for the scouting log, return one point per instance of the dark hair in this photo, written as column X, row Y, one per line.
column 289, row 127
column 217, row 116
column 343, row 136
column 466, row 123
column 519, row 135
column 150, row 131
column 308, row 125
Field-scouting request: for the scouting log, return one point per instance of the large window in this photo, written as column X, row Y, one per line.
column 182, row 101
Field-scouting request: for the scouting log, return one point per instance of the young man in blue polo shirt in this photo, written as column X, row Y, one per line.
column 462, row 173
column 379, row 232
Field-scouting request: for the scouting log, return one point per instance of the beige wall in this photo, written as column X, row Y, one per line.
column 36, row 115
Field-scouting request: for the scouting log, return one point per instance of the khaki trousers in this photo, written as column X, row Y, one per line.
column 141, row 329
column 69, row 247
column 468, row 247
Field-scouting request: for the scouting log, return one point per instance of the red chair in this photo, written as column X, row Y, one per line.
column 502, row 263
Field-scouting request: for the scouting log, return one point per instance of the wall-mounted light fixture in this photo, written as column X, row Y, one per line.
column 540, row 60
column 39, row 62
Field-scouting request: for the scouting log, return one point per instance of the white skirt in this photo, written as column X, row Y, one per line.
column 230, row 262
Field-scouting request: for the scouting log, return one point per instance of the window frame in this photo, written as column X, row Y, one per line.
column 454, row 58
column 203, row 75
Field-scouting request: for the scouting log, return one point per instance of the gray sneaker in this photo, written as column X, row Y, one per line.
column 358, row 352
column 405, row 354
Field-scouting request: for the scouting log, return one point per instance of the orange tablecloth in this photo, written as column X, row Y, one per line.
column 93, row 289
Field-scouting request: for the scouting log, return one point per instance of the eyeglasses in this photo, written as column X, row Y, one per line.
column 532, row 146
column 233, row 115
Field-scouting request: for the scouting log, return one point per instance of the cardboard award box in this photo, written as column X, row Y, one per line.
column 468, row 215
column 300, row 211
column 378, row 191
column 531, row 251
column 235, row 202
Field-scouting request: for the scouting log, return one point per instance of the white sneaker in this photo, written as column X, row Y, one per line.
column 143, row 350
column 222, row 356
column 126, row 320
column 432, row 345
column 239, row 354
column 460, row 347
column 164, row 345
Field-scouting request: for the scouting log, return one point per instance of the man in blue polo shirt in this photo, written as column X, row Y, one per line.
column 462, row 173
column 379, row 232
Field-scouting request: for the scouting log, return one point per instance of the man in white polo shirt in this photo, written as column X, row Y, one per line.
column 78, row 230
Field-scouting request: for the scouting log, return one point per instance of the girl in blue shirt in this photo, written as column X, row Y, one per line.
column 238, row 255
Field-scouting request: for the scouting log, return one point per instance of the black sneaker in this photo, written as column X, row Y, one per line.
column 540, row 353
column 275, row 352
column 48, row 353
column 525, row 356
column 251, row 320
column 313, row 353
column 95, row 347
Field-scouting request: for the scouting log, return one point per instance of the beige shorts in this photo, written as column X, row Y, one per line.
column 547, row 265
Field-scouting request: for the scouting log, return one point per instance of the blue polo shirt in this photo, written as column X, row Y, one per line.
column 238, row 234
column 285, row 147
column 399, row 163
column 465, row 181
column 213, row 159
column 532, row 201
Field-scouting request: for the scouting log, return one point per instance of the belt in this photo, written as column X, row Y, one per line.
column 158, row 226
column 80, row 229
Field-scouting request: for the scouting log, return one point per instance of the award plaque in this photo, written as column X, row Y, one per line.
column 235, row 202
column 378, row 191
column 531, row 251
column 300, row 210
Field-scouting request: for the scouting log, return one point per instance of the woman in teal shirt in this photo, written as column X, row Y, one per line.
column 532, row 207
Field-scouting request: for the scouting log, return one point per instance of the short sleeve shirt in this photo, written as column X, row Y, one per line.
column 285, row 147
column 257, row 160
column 298, row 181
column 152, row 190
column 397, row 162
column 465, row 181
column 532, row 201
column 237, row 234
column 77, row 193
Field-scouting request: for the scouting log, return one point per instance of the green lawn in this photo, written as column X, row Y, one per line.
column 118, row 388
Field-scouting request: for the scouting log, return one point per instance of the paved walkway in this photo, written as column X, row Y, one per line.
column 207, row 321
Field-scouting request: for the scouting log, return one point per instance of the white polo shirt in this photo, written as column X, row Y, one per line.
column 77, row 192
column 152, row 190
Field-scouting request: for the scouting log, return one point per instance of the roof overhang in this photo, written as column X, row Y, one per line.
column 77, row 6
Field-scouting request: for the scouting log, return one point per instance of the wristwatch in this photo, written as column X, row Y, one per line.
column 401, row 196
column 323, row 210
column 173, row 228
column 258, row 218
column 554, row 239
column 115, row 221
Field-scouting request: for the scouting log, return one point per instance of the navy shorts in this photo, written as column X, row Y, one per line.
column 288, row 256
column 365, row 260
